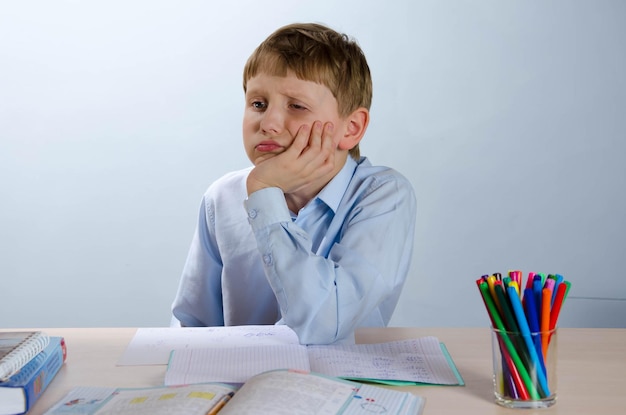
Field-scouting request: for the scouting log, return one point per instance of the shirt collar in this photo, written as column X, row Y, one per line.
column 333, row 192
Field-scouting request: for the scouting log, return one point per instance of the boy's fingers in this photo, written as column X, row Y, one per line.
column 328, row 140
column 315, row 141
column 313, row 147
column 301, row 141
column 329, row 143
column 320, row 152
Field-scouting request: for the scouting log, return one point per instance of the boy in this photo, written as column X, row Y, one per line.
column 312, row 236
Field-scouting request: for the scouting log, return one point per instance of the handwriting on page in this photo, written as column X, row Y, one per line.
column 152, row 346
column 416, row 360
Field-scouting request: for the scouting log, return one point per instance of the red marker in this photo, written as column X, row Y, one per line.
column 561, row 292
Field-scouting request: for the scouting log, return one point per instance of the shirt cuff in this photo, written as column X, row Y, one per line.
column 266, row 207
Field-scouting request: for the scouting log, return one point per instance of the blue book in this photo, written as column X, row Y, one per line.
column 19, row 393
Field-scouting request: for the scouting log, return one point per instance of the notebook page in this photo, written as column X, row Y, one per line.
column 376, row 400
column 290, row 393
column 233, row 364
column 188, row 400
column 152, row 346
column 417, row 360
column 81, row 400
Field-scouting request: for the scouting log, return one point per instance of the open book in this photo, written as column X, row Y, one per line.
column 275, row 392
column 423, row 360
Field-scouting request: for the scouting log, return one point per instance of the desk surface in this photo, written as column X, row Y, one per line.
column 591, row 368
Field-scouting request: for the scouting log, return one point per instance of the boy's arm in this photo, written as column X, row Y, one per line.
column 198, row 301
column 325, row 299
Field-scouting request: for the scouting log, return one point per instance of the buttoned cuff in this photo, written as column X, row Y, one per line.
column 266, row 207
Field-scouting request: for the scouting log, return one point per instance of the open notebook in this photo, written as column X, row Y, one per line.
column 423, row 360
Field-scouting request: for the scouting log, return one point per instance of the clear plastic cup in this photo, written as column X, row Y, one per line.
column 524, row 368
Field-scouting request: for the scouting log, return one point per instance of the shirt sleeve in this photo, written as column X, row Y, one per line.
column 325, row 298
column 198, row 301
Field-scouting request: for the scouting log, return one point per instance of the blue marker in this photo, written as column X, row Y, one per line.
column 525, row 330
column 537, row 291
column 533, row 323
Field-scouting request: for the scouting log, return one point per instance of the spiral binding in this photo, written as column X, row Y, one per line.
column 26, row 350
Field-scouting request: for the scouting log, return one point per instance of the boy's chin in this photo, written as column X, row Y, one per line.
column 263, row 157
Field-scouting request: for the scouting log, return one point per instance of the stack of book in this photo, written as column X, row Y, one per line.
column 29, row 360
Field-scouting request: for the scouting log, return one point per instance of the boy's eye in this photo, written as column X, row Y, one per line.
column 297, row 107
column 259, row 105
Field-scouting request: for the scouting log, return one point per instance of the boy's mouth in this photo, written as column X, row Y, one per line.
column 268, row 146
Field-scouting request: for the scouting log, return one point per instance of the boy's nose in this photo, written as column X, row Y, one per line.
column 272, row 121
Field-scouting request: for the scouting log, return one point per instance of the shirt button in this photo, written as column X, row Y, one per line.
column 267, row 259
column 252, row 213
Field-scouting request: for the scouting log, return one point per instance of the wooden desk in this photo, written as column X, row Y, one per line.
column 591, row 369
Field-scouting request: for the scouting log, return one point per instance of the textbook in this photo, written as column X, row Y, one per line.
column 402, row 362
column 20, row 392
column 17, row 348
column 273, row 392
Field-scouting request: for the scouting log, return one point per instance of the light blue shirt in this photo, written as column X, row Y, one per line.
column 340, row 263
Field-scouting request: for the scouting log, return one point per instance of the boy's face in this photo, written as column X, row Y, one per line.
column 276, row 108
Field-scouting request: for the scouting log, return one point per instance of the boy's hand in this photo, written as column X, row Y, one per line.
column 310, row 157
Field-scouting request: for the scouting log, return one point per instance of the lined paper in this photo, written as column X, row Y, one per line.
column 416, row 360
column 152, row 346
column 233, row 365
column 420, row 360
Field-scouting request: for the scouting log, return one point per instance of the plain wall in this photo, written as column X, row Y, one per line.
column 509, row 118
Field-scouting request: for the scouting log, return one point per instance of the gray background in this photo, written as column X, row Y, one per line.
column 508, row 118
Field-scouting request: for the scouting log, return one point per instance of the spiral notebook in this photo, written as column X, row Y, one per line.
column 17, row 348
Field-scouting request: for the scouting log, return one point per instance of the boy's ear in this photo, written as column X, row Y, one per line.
column 355, row 128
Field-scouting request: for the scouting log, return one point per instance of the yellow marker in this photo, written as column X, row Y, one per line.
column 491, row 283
